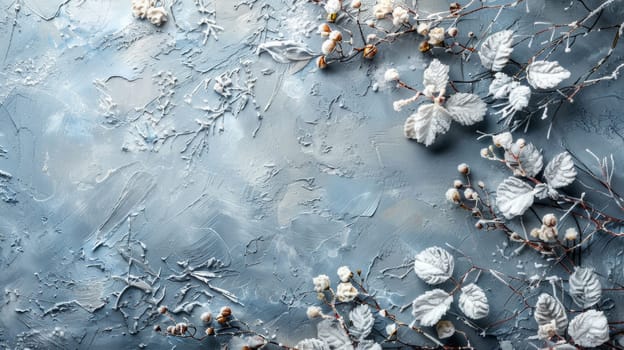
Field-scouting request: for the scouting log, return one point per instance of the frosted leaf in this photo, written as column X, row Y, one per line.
column 528, row 157
column 541, row 191
column 335, row 337
column 519, row 97
column 445, row 329
column 434, row 265
column 473, row 302
column 436, row 76
column 286, row 51
column 589, row 329
column 549, row 309
column 513, row 197
column 585, row 288
column 560, row 171
column 368, row 345
column 431, row 306
column 312, row 344
column 466, row 109
column 496, row 49
column 502, row 85
column 362, row 321
column 425, row 125
column 546, row 74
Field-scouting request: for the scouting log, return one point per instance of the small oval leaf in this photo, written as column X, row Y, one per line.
column 546, row 74
column 549, row 309
column 513, row 197
column 560, row 171
column 496, row 49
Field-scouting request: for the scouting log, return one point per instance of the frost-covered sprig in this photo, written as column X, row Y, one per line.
column 433, row 119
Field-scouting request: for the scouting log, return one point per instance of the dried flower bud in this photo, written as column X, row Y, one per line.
column 328, row 46
column 479, row 225
column 321, row 63
column 468, row 193
column 314, row 312
column 485, row 153
column 481, row 184
column 181, row 328
column 520, row 143
column 571, row 234
column 171, row 330
column 535, row 232
column 206, row 317
column 371, row 37
column 422, row 28
column 452, row 32
column 458, row 184
column 344, row 273
column 463, row 168
column 221, row 319
column 356, row 4
column 424, row 46
column 370, row 23
column 502, row 140
column 436, row 36
column 391, row 75
column 162, row 309
column 454, row 7
column 452, row 195
column 157, row 328
column 335, row 35
column 370, row 51
column 549, row 220
column 324, row 29
column 210, row 331
column 226, row 311
column 471, row 34
column 383, row 313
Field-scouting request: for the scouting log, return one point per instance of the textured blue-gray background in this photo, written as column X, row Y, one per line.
column 104, row 131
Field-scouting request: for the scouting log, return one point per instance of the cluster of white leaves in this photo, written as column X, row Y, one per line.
column 435, row 265
column 430, row 120
column 515, row 195
column 517, row 96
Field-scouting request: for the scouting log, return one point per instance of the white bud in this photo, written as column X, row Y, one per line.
column 391, row 75
column 422, row 28
column 356, row 4
column 452, row 195
column 549, row 220
column 502, row 140
column 328, row 46
column 314, row 312
column 458, row 184
column 436, row 36
column 463, row 168
column 344, row 273
column 571, row 234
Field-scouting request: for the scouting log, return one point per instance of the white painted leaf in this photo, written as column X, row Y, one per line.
column 546, row 74
column 549, row 309
column 585, row 288
column 519, row 97
column 466, row 109
column 560, row 171
column 589, row 329
column 527, row 159
column 445, row 329
column 335, row 337
column 502, row 85
column 368, row 345
column 473, row 302
column 312, row 344
column 286, row 51
column 362, row 321
column 434, row 265
column 425, row 125
column 429, row 308
column 513, row 197
column 436, row 76
column 496, row 49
